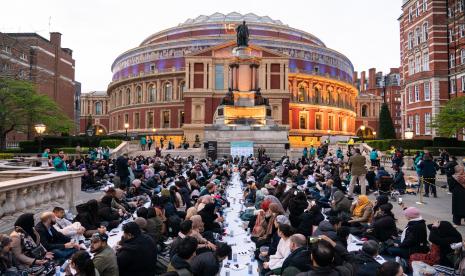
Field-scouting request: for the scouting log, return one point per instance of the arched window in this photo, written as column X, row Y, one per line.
column 417, row 36
column 120, row 98
column 364, row 111
column 128, row 96
column 410, row 40
column 301, row 96
column 168, row 90
column 317, row 95
column 98, row 108
column 182, row 89
column 151, row 93
column 425, row 31
column 339, row 103
column 303, row 121
column 330, row 97
column 139, row 94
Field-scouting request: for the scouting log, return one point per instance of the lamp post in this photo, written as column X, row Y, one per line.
column 40, row 128
column 374, row 135
column 100, row 131
column 126, row 126
column 362, row 128
column 329, row 136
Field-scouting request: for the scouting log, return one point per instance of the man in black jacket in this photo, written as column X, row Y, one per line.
column 180, row 262
column 137, row 253
column 365, row 259
column 54, row 241
column 209, row 263
column 122, row 170
column 299, row 258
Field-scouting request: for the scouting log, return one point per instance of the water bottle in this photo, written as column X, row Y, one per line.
column 64, row 266
column 228, row 273
column 58, row 271
column 250, row 269
column 235, row 257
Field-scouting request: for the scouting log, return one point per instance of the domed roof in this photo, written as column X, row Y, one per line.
column 231, row 17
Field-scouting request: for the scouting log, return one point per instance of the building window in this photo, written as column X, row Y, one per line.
column 451, row 36
column 331, row 122
column 410, row 41
column 462, row 56
column 411, row 67
column 151, row 93
column 98, row 108
column 150, row 120
column 425, row 5
column 166, row 119
column 168, row 91
column 136, row 120
column 301, row 96
column 417, row 124
column 139, row 94
column 417, row 11
column 410, row 95
column 303, row 120
column 417, row 37
column 318, row 124
column 182, row 89
column 417, row 93
column 340, row 122
column 7, row 49
column 317, row 95
column 427, row 91
column 417, row 64
column 462, row 79
column 462, row 30
column 181, row 118
column 452, row 60
column 364, row 110
column 23, row 56
column 219, row 76
column 425, row 31
column 426, row 61
column 128, row 96
column 126, row 118
column 427, row 123
column 410, row 14
column 453, row 86
column 450, row 12
column 460, row 4
column 410, row 122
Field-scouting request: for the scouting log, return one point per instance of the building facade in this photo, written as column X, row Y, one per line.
column 94, row 113
column 172, row 83
column 50, row 67
column 377, row 89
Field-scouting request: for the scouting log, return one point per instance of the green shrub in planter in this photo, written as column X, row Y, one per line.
column 6, row 155
column 111, row 143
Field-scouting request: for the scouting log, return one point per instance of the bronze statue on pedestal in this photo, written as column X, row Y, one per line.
column 242, row 35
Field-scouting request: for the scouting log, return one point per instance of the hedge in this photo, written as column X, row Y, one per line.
column 405, row 144
column 457, row 151
column 84, row 150
column 64, row 142
column 111, row 143
column 6, row 155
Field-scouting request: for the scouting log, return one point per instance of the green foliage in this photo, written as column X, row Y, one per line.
column 53, row 142
column 386, row 127
column 111, row 143
column 84, row 150
column 6, row 155
column 405, row 144
column 21, row 107
column 451, row 117
column 457, row 151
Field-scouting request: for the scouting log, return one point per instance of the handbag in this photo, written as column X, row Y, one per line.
column 38, row 252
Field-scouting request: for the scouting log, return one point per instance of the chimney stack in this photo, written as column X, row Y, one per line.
column 55, row 39
column 362, row 81
column 372, row 78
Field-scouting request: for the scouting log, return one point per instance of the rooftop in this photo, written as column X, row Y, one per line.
column 231, row 17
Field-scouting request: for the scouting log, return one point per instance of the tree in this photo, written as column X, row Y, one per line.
column 386, row 127
column 451, row 117
column 21, row 107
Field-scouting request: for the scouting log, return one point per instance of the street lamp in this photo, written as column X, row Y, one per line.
column 40, row 128
column 374, row 134
column 329, row 136
column 126, row 126
column 362, row 128
column 100, row 131
column 409, row 136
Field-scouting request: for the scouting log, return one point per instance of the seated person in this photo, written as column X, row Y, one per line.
column 413, row 238
column 362, row 210
column 197, row 230
column 89, row 218
column 365, row 259
column 310, row 219
column 390, row 268
column 371, row 178
column 340, row 204
column 185, row 229
column 383, row 226
column 329, row 228
column 399, row 180
column 442, row 234
column 54, row 241
column 276, row 260
column 81, row 262
column 71, row 230
column 107, row 214
column 25, row 243
column 181, row 261
column 209, row 263
column 297, row 261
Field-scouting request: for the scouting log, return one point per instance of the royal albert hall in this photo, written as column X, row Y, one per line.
column 171, row 84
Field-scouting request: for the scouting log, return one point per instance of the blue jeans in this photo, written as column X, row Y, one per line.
column 63, row 254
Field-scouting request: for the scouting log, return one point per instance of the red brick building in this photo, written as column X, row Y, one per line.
column 380, row 86
column 44, row 62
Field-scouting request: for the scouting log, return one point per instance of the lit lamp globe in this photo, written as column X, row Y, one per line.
column 126, row 125
column 40, row 128
column 374, row 134
column 408, row 134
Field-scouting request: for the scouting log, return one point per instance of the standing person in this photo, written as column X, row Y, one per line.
column 458, row 195
column 305, row 153
column 449, row 169
column 428, row 170
column 358, row 171
column 149, row 142
column 104, row 257
column 78, row 150
column 122, row 170
column 161, row 142
column 143, row 142
column 374, row 158
column 261, row 152
column 59, row 162
column 350, row 144
column 312, row 152
column 46, row 153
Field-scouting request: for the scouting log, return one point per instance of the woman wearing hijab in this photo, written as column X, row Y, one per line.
column 380, row 200
column 296, row 207
column 210, row 218
column 442, row 235
column 340, row 204
column 457, row 188
column 362, row 210
column 383, row 226
column 25, row 243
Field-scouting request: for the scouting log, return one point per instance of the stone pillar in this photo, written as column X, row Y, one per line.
column 175, row 90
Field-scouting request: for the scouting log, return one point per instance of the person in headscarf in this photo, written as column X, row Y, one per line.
column 380, row 200
column 457, row 188
column 25, row 243
column 383, row 226
column 340, row 203
column 442, row 235
column 362, row 210
column 210, row 218
column 296, row 207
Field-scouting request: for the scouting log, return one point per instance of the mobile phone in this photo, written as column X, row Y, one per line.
column 313, row 239
column 399, row 200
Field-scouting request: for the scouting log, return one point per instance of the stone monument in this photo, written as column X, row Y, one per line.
column 244, row 115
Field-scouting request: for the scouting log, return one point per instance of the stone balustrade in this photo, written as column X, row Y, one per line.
column 35, row 191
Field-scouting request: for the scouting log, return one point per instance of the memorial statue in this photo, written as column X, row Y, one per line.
column 229, row 98
column 242, row 35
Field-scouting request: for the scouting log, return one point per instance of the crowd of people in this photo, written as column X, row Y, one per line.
column 303, row 215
